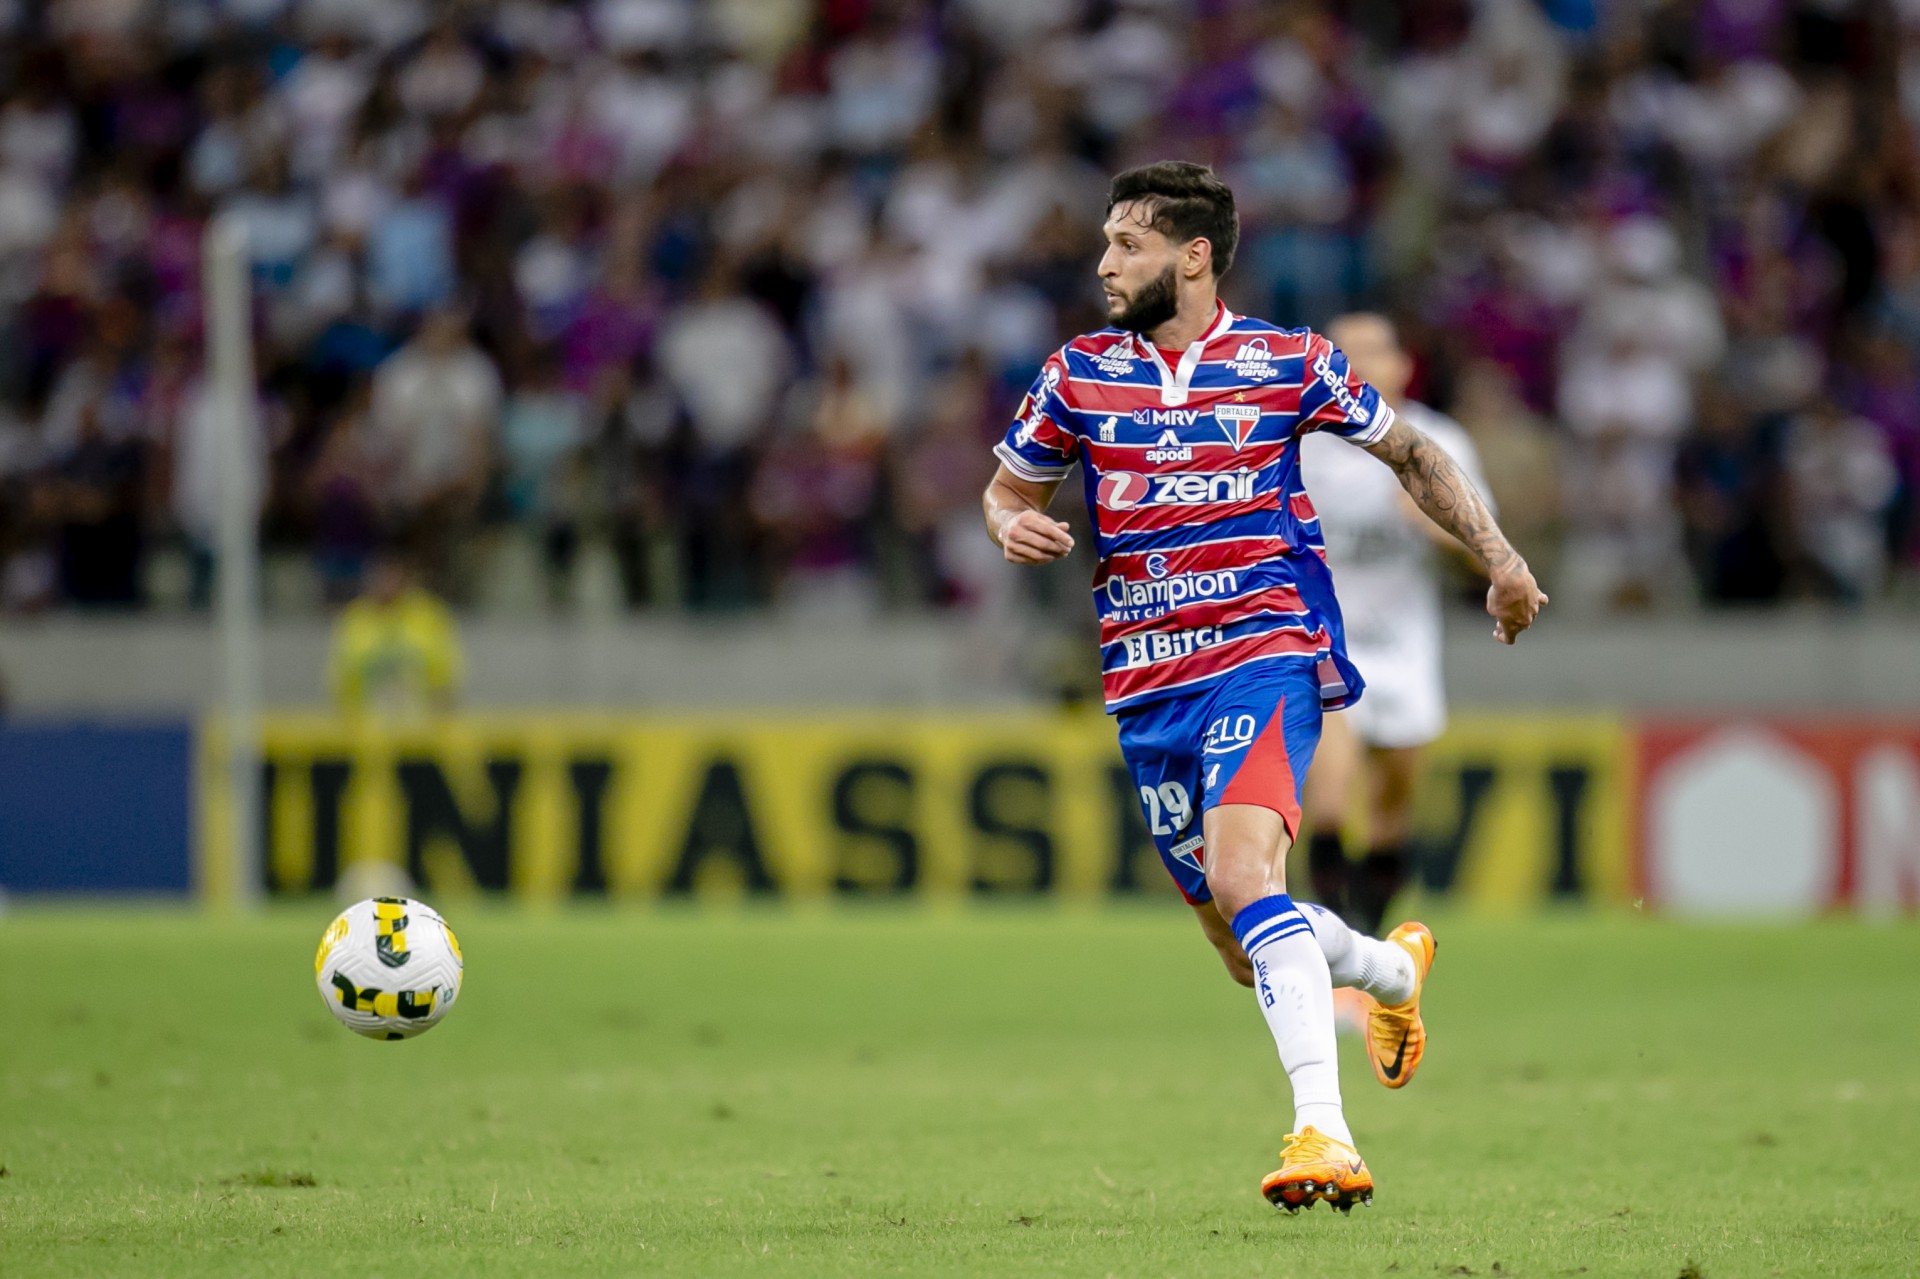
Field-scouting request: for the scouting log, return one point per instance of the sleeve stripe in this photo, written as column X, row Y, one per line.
column 1382, row 423
column 1027, row 470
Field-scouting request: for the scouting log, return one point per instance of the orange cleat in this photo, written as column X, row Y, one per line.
column 1315, row 1167
column 1396, row 1037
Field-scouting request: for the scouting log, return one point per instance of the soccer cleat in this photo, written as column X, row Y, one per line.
column 1315, row 1167
column 1396, row 1037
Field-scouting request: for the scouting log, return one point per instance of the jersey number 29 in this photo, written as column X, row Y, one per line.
column 1168, row 808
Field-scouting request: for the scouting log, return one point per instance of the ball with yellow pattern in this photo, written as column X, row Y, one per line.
column 389, row 967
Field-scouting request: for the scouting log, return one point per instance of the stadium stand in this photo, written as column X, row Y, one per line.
column 659, row 305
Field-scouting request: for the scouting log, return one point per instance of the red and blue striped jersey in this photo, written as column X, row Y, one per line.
column 1209, row 551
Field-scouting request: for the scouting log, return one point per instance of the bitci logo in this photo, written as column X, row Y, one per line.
column 1122, row 490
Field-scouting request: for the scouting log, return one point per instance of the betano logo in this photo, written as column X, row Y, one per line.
column 1125, row 490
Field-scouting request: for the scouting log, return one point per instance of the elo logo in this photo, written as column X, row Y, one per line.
column 1156, row 565
column 1122, row 490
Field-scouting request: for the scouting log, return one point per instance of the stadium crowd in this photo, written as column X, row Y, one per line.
column 729, row 299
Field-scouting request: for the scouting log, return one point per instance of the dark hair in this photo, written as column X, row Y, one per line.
column 1186, row 202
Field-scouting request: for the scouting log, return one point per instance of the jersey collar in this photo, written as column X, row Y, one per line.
column 1174, row 382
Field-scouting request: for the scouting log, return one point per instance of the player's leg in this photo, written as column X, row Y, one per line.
column 1247, row 846
column 1328, row 791
column 1354, row 961
column 1220, row 934
column 1246, row 869
column 1366, row 964
column 1396, row 1035
column 1392, row 772
column 1262, row 731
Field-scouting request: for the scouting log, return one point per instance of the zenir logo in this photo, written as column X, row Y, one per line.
column 390, row 936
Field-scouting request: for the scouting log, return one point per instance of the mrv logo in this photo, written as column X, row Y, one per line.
column 1166, row 417
column 1163, row 593
column 1144, row 650
column 1125, row 490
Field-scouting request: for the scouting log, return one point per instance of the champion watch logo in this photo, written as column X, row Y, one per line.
column 1237, row 422
column 1254, row 361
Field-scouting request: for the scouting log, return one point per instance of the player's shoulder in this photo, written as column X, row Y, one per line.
column 1108, row 356
column 1276, row 336
column 1097, row 341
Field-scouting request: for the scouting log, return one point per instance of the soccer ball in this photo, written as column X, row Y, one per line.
column 388, row 967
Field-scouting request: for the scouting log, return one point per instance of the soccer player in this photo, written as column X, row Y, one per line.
column 1379, row 547
column 1221, row 642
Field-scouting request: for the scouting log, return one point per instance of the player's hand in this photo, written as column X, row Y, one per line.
column 1030, row 537
column 1514, row 600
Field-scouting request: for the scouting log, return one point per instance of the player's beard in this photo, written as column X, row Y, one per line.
column 1157, row 302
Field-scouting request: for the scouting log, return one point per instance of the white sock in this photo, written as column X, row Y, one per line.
column 1296, row 997
column 1380, row 968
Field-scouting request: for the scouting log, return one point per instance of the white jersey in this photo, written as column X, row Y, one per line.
column 1384, row 573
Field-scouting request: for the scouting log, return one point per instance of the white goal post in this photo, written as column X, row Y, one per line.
column 231, row 390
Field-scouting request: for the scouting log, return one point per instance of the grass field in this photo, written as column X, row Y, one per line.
column 916, row 1093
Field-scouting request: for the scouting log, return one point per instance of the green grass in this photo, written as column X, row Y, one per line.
column 915, row 1092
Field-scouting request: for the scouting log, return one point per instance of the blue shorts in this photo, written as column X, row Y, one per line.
column 1247, row 739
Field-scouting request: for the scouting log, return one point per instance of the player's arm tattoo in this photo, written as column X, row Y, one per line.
column 1440, row 488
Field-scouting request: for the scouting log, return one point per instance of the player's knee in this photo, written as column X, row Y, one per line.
column 1239, row 876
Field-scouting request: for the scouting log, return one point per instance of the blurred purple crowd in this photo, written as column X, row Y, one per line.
column 706, row 305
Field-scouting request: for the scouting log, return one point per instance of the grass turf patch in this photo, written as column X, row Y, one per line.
column 914, row 1092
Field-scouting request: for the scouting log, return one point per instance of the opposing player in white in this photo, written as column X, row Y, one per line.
column 1382, row 551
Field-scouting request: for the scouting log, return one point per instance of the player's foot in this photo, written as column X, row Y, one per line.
column 1396, row 1037
column 1315, row 1167
column 1350, row 1008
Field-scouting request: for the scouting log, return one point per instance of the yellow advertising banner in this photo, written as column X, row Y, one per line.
column 548, row 806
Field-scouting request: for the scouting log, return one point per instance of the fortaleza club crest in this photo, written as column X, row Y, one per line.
column 1237, row 421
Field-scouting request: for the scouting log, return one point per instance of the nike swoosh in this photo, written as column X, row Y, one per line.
column 1356, row 1167
column 1393, row 1071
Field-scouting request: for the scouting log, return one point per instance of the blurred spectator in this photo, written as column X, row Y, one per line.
column 543, row 436
column 344, row 497
column 742, row 282
column 91, row 496
column 1519, row 453
column 396, row 649
column 435, row 409
column 1730, row 488
column 1840, row 482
